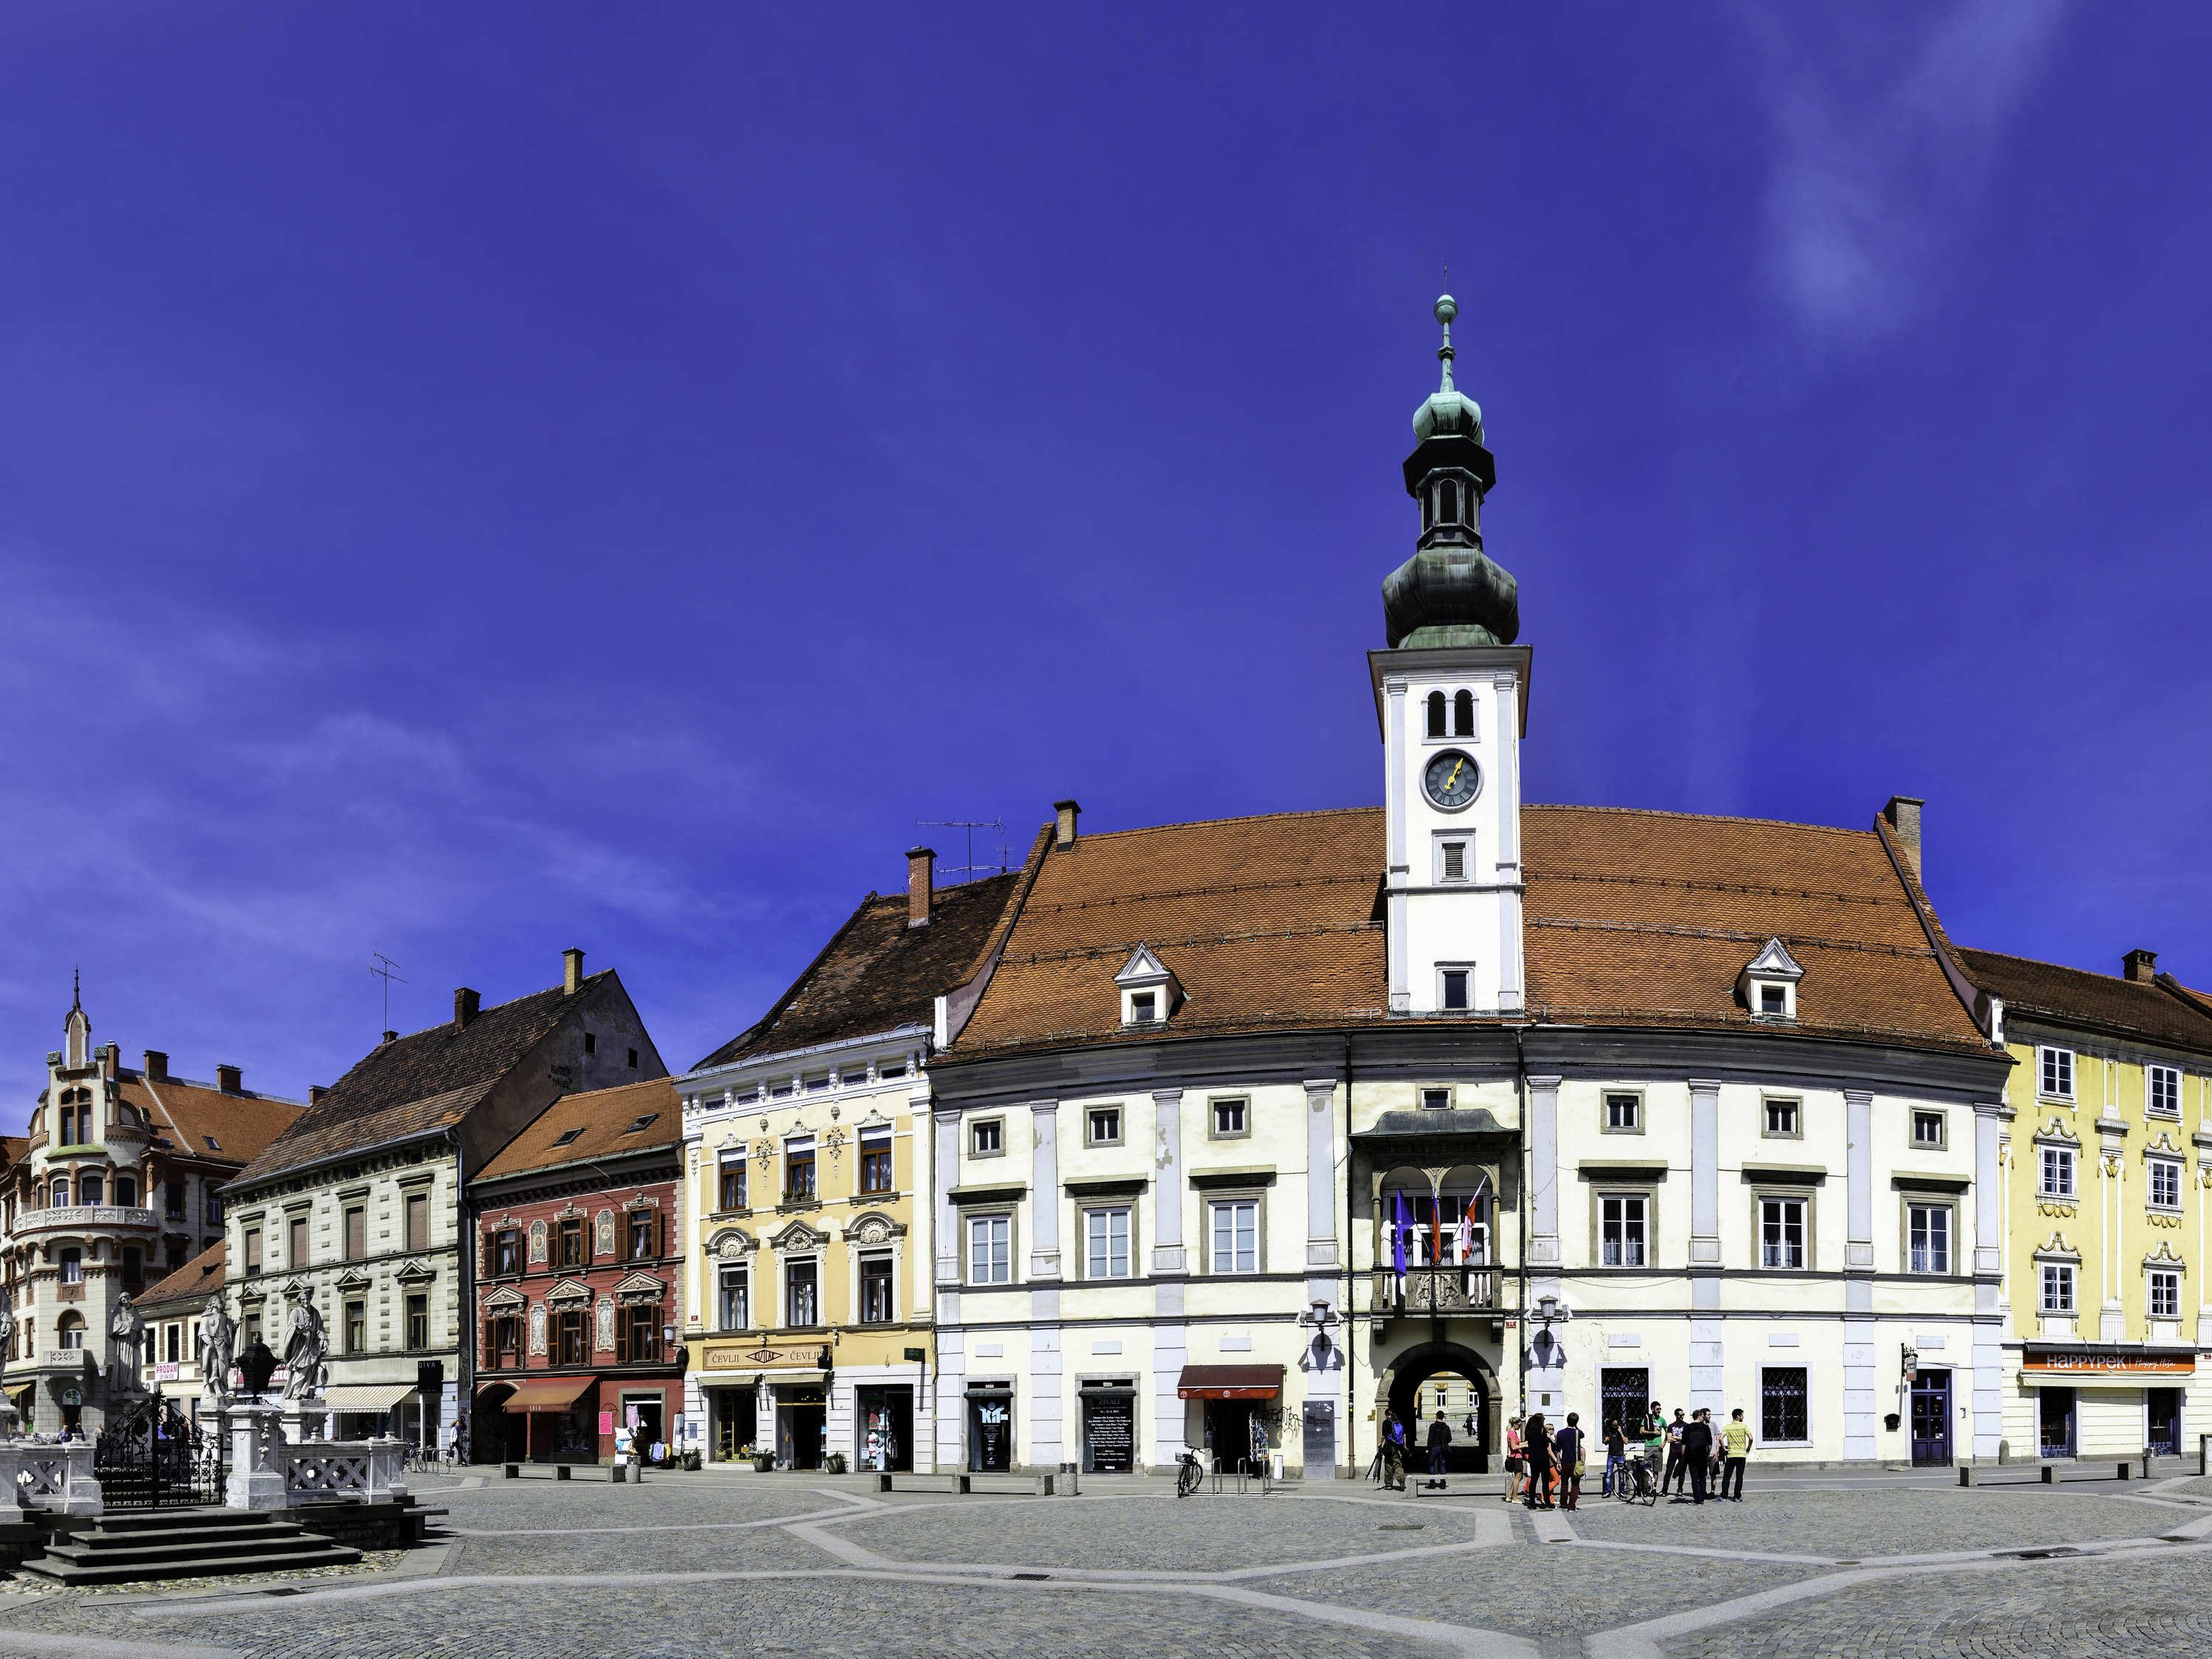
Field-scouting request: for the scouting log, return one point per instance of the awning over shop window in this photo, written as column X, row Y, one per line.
column 548, row 1394
column 1230, row 1383
column 366, row 1396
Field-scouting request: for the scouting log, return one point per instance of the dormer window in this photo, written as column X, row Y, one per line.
column 1149, row 990
column 1768, row 984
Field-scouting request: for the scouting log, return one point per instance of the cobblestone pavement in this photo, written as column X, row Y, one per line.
column 818, row 1565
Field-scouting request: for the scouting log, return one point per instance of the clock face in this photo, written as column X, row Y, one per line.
column 1450, row 778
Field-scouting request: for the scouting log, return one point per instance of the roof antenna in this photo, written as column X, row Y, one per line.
column 971, row 825
column 387, row 971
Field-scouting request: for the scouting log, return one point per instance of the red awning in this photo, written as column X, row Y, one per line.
column 547, row 1394
column 1230, row 1383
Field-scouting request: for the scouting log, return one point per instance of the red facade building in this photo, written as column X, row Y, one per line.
column 578, row 1234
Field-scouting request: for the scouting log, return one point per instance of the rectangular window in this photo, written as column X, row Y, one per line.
column 296, row 1242
column 418, row 1221
column 173, row 1343
column 356, row 1233
column 569, row 1243
column 1144, row 1007
column 2057, row 1079
column 799, row 1171
column 2165, row 1293
column 781, row 1089
column 990, row 1250
column 1101, row 1125
column 2057, row 1287
column 986, row 1138
column 1782, row 1119
column 1106, row 1243
column 733, row 1305
column 2162, row 1087
column 802, row 1297
column 1624, row 1114
column 1927, row 1129
column 2165, row 1183
column 2058, row 1165
column 1437, row 1100
column 641, row 1234
column 1624, row 1230
column 1782, row 1405
column 730, row 1193
column 875, row 1160
column 572, row 1338
column 253, row 1249
column 876, row 1289
column 890, row 1070
column 1236, row 1230
column 1454, row 995
column 1782, row 1233
column 1454, row 860
column 211, row 1208
column 134, row 1268
column 1231, row 1118
column 815, row 1082
column 1773, row 999
column 637, row 1334
column 506, row 1250
column 1927, row 1238
column 418, row 1322
column 357, row 1327
column 173, row 1199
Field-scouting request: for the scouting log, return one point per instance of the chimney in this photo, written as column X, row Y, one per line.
column 921, row 870
column 572, row 971
column 389, row 1036
column 2141, row 966
column 1064, row 814
column 315, row 1093
column 1904, row 815
column 229, row 1079
column 111, row 1058
column 157, row 1065
column 465, row 1003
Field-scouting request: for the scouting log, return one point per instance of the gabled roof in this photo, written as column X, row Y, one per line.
column 602, row 1120
column 201, row 1277
column 877, row 974
column 200, row 1122
column 419, row 1083
column 2100, row 1002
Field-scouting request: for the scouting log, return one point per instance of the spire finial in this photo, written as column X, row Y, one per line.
column 77, row 987
column 1446, row 309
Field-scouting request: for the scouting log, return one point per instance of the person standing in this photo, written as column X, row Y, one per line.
column 1393, row 1453
column 1736, row 1447
column 1440, row 1439
column 1616, row 1454
column 1672, row 1479
column 1696, row 1453
column 1568, row 1446
column 1512, row 1459
column 1537, row 1439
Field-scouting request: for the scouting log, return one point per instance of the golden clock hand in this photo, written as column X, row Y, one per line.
column 1454, row 778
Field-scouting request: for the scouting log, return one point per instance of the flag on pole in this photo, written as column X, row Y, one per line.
column 1466, row 1236
column 1398, row 1239
column 1436, row 1235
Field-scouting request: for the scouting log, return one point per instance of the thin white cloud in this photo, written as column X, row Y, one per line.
column 1881, row 149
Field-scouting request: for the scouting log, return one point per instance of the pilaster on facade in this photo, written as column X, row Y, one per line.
column 947, row 1167
column 1044, row 1187
column 1321, row 1189
column 1704, row 1172
column 1399, row 872
column 1544, row 1172
column 1170, row 1255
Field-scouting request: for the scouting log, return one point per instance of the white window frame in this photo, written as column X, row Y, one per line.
column 1784, row 1203
column 1001, row 1219
column 805, row 1259
column 1766, row 1109
column 861, row 1261
column 1098, row 1225
column 1603, row 1217
column 742, row 1273
column 997, row 1126
column 2166, row 1278
column 1422, row 1094
column 1090, row 1117
column 1439, row 867
column 1942, row 1128
column 2054, row 1071
column 2170, row 1168
column 2152, row 1074
column 2059, row 1273
column 1931, row 1207
column 1243, row 1129
column 1810, row 1395
column 1445, row 970
column 2065, row 1158
column 1232, row 1204
column 1633, row 1100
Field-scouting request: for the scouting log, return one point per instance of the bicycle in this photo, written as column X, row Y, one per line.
column 1190, row 1473
column 1636, row 1483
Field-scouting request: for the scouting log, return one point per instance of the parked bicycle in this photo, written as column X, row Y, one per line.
column 1636, row 1483
column 1190, row 1473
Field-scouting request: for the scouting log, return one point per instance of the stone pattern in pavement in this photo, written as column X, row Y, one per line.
column 1863, row 1524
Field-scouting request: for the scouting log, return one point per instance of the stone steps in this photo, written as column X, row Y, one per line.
column 124, row 1548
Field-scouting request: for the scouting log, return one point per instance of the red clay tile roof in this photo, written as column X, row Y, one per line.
column 2103, row 1002
column 604, row 1115
column 1632, row 918
column 189, row 1114
column 876, row 974
column 419, row 1083
column 201, row 1276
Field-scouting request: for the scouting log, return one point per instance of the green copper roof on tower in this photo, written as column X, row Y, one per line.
column 1449, row 411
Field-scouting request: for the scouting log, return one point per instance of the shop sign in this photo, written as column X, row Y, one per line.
column 606, row 1422
column 2099, row 1363
column 731, row 1359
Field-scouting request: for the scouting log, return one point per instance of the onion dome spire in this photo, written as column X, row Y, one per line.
column 1450, row 592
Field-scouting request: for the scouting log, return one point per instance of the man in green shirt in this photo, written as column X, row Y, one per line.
column 1735, row 1447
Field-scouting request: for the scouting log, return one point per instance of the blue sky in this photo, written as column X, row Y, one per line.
column 479, row 480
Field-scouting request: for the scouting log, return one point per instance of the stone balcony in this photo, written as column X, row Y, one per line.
column 85, row 1217
column 1445, row 1289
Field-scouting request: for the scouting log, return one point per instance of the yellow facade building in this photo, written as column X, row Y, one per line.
column 2105, row 1185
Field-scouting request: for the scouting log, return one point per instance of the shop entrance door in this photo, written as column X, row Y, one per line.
column 736, row 1421
column 1931, row 1417
column 991, row 1430
column 801, row 1416
column 2055, row 1412
column 646, row 1430
column 885, row 1428
column 2162, row 1422
column 1229, row 1433
column 1109, row 1430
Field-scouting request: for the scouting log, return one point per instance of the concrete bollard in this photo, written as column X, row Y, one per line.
column 2048, row 1474
column 960, row 1485
column 561, row 1472
column 882, row 1483
column 510, row 1471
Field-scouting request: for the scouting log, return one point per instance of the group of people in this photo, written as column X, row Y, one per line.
column 1694, row 1453
column 1544, row 1466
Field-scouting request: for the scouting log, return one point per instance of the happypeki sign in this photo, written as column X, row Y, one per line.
column 2092, row 1362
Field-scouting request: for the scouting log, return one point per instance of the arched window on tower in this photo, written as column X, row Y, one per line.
column 69, row 1330
column 91, row 1189
column 57, row 1195
column 72, row 1266
column 1435, row 714
column 1463, row 714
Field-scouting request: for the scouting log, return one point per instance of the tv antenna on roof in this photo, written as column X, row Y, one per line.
column 387, row 971
column 970, row 826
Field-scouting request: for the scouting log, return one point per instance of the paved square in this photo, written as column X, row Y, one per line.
column 717, row 1562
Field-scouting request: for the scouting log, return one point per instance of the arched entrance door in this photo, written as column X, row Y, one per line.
column 1443, row 1378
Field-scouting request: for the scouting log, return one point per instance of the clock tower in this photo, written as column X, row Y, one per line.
column 1449, row 693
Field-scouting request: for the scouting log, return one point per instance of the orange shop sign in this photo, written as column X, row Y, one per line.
column 2102, row 1362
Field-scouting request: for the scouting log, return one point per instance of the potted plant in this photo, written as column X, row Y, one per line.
column 761, row 1459
column 834, row 1464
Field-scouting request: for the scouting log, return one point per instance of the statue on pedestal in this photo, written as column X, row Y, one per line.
column 126, row 1331
column 305, row 1344
column 218, row 1337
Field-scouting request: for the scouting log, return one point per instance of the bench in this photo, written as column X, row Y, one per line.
column 2046, row 1474
column 964, row 1485
column 615, row 1473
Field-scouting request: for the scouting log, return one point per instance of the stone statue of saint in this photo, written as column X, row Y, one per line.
column 218, row 1336
column 7, row 1319
column 126, row 1328
column 305, row 1344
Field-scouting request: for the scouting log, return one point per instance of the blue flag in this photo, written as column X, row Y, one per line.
column 1398, row 1239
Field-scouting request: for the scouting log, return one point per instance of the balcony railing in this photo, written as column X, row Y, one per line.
column 1445, row 1289
column 78, row 1217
